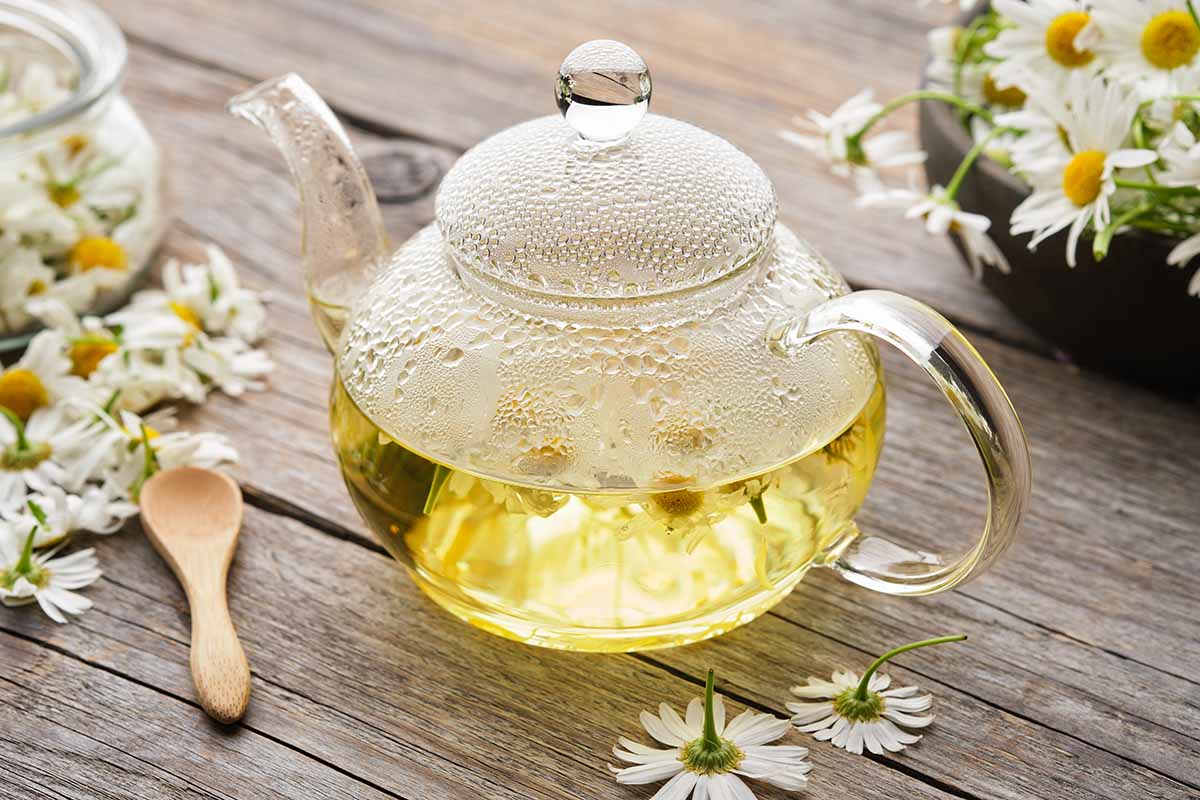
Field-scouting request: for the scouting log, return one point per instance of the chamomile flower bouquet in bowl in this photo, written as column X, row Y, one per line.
column 81, row 207
column 1059, row 144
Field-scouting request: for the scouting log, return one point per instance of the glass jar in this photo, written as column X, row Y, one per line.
column 81, row 197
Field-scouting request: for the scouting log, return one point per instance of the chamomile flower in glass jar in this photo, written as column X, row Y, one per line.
column 81, row 206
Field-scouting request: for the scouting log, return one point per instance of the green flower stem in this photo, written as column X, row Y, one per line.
column 151, row 463
column 37, row 512
column 1183, row 229
column 1187, row 98
column 760, row 510
column 969, row 159
column 711, row 739
column 966, row 38
column 18, row 426
column 111, row 403
column 25, row 563
column 1157, row 188
column 440, row 475
column 854, row 140
column 1104, row 238
column 1192, row 10
column 861, row 693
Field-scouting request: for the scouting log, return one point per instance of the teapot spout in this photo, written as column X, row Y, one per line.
column 342, row 241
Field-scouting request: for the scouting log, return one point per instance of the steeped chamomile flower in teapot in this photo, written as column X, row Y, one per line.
column 607, row 400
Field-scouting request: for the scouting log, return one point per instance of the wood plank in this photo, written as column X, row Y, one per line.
column 77, row 731
column 451, row 73
column 1084, row 514
column 353, row 665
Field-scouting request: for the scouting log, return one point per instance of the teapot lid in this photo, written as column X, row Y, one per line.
column 606, row 201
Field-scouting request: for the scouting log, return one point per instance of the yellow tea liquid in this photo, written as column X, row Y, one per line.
column 604, row 571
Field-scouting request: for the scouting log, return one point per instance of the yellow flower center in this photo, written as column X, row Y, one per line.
column 1060, row 39
column 679, row 503
column 63, row 195
column 22, row 392
column 186, row 314
column 1012, row 97
column 75, row 144
column 86, row 355
column 36, row 287
column 1082, row 175
column 1171, row 39
column 93, row 252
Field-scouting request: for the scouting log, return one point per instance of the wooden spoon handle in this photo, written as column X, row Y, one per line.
column 220, row 671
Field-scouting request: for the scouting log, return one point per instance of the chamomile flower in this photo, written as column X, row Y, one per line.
column 34, row 89
column 234, row 310
column 943, row 53
column 22, row 278
column 36, row 454
column 28, row 577
column 209, row 297
column 150, row 451
column 1076, row 187
column 1043, row 121
column 1180, row 156
column 941, row 215
column 40, row 377
column 974, row 81
column 229, row 363
column 1145, row 42
column 706, row 758
column 832, row 138
column 856, row 712
column 1045, row 40
column 95, row 510
column 681, row 511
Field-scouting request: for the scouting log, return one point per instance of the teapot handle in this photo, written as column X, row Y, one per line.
column 934, row 344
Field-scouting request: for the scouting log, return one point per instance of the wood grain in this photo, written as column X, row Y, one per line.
column 1078, row 680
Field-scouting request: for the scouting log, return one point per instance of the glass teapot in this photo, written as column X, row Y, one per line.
column 606, row 400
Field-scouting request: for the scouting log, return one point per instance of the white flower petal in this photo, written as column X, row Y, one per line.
column 649, row 773
column 677, row 788
column 673, row 723
column 1126, row 159
column 761, row 729
column 656, row 728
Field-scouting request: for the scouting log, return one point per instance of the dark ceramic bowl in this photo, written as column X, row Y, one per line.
column 1129, row 315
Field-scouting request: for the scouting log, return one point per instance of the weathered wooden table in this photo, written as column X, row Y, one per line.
column 1080, row 678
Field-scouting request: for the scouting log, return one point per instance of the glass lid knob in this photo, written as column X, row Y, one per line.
column 603, row 90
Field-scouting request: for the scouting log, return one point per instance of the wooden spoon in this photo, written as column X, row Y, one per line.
column 192, row 517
